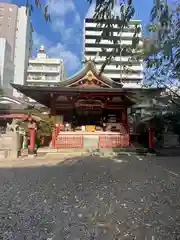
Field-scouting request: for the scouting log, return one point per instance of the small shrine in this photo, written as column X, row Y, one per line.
column 88, row 109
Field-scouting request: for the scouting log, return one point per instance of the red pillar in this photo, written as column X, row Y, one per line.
column 120, row 122
column 125, row 120
column 54, row 137
column 151, row 137
column 32, row 133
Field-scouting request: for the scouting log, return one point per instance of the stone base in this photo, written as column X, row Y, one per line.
column 8, row 154
column 32, row 151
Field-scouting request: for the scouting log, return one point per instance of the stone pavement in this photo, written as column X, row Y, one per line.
column 31, row 161
column 91, row 198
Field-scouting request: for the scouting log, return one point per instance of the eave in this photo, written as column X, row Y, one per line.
column 44, row 94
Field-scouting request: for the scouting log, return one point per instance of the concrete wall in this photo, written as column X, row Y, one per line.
column 9, row 145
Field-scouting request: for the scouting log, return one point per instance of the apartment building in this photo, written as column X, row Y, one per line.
column 45, row 71
column 15, row 27
column 6, row 67
column 8, row 24
column 122, row 68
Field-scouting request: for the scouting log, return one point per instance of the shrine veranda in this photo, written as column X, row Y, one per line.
column 89, row 110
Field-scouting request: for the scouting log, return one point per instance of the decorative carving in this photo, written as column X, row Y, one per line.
column 91, row 79
column 89, row 103
column 13, row 127
column 32, row 125
column 87, row 60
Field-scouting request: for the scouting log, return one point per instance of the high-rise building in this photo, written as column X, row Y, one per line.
column 8, row 24
column 15, row 27
column 23, row 48
column 6, row 67
column 122, row 68
column 45, row 71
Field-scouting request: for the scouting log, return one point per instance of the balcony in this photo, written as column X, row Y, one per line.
column 44, row 69
column 43, row 79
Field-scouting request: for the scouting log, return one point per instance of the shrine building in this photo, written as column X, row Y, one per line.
column 89, row 110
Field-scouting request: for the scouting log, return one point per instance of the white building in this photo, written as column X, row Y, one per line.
column 23, row 48
column 6, row 67
column 129, row 72
column 43, row 70
column 15, row 27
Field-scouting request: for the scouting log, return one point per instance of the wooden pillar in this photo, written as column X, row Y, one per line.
column 53, row 114
column 53, row 104
column 126, row 126
column 125, row 117
column 121, row 120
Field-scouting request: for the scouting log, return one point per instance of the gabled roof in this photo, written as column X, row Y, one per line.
column 89, row 68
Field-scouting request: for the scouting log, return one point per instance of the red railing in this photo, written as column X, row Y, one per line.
column 69, row 141
column 114, row 141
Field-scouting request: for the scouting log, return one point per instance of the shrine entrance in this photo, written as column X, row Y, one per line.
column 88, row 115
column 87, row 118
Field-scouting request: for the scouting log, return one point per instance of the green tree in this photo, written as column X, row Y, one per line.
column 160, row 52
column 164, row 61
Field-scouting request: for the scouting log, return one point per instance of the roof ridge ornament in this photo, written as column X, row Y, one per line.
column 91, row 59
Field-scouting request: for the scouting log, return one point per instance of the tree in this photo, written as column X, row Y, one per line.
column 161, row 52
column 30, row 5
column 164, row 62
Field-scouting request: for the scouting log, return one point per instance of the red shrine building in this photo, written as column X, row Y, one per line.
column 89, row 110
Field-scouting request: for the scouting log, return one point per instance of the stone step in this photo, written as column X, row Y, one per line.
column 93, row 152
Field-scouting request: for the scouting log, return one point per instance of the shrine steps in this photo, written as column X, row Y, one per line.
column 94, row 151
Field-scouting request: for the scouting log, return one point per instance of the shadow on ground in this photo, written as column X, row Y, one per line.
column 89, row 198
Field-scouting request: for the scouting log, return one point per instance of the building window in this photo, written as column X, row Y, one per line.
column 10, row 9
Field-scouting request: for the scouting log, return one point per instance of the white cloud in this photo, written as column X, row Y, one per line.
column 58, row 25
column 71, row 61
column 77, row 18
column 59, row 10
column 58, row 50
column 60, row 7
column 39, row 40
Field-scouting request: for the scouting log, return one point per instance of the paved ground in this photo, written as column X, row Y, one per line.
column 92, row 198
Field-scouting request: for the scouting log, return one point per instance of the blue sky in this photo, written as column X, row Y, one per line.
column 63, row 36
